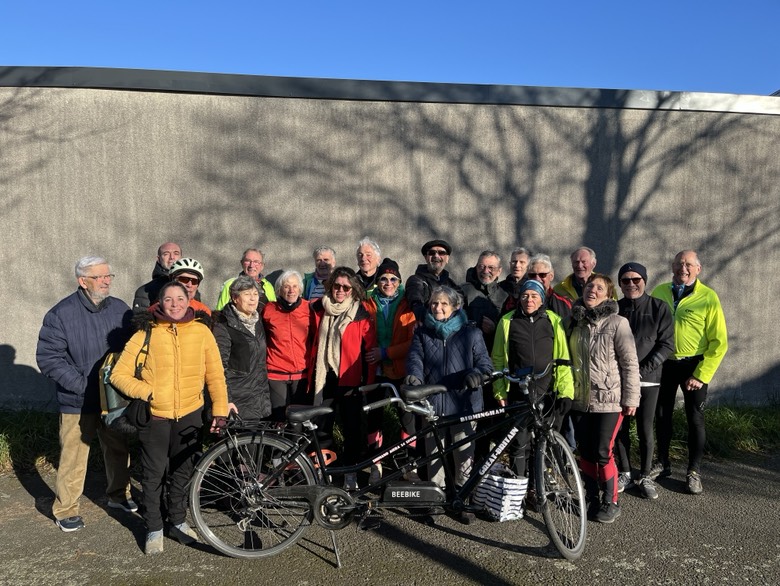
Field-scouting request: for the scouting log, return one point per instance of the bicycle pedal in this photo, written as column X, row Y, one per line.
column 370, row 522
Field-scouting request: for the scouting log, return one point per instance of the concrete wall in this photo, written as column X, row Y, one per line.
column 291, row 164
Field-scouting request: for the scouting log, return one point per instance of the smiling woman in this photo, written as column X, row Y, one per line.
column 183, row 358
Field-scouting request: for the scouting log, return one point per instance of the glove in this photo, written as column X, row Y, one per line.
column 473, row 379
column 412, row 381
column 562, row 406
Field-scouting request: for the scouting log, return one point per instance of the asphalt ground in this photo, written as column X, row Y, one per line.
column 728, row 535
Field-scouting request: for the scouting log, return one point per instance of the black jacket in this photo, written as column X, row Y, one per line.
column 420, row 286
column 653, row 328
column 243, row 356
column 483, row 301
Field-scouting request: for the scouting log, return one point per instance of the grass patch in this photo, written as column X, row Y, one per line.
column 29, row 440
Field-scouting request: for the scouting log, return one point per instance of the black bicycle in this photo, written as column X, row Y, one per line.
column 256, row 491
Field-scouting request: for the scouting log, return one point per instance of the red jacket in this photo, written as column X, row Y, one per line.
column 403, row 330
column 358, row 336
column 287, row 336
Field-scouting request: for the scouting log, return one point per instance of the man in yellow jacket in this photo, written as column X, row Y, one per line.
column 701, row 342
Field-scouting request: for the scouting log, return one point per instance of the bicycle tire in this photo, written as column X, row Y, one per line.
column 230, row 510
column 561, row 495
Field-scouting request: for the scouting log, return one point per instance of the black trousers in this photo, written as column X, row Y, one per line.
column 287, row 392
column 645, row 417
column 673, row 376
column 172, row 445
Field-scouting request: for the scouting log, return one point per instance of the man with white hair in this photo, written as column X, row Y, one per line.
column 76, row 335
column 368, row 256
column 583, row 261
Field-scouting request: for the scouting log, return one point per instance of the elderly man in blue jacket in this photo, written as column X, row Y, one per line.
column 76, row 335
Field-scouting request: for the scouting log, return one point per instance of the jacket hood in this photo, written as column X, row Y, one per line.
column 144, row 320
column 580, row 313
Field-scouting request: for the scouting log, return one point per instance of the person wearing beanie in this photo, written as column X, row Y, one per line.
column 651, row 323
column 533, row 336
column 430, row 275
column 395, row 322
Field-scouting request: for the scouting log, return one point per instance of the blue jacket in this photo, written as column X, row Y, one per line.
column 434, row 360
column 75, row 337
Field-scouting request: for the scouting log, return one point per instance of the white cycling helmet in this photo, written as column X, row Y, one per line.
column 186, row 265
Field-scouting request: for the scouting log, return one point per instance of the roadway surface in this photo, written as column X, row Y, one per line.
column 728, row 535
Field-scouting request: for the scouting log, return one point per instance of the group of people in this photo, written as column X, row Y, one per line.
column 314, row 338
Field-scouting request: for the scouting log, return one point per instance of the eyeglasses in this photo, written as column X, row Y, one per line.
column 535, row 275
column 436, row 252
column 388, row 279
column 491, row 268
column 627, row 280
column 100, row 277
column 188, row 280
column 340, row 287
column 252, row 262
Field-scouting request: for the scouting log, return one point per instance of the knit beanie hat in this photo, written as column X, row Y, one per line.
column 388, row 267
column 533, row 285
column 633, row 267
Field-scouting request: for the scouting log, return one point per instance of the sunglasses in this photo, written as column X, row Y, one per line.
column 388, row 279
column 540, row 275
column 436, row 253
column 627, row 280
column 188, row 280
column 340, row 287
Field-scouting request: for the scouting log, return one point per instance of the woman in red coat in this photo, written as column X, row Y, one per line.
column 343, row 333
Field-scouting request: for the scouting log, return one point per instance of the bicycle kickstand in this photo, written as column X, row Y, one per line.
column 335, row 549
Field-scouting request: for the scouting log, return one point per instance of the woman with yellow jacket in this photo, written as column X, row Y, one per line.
column 182, row 357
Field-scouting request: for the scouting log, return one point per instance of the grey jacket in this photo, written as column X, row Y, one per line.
column 604, row 362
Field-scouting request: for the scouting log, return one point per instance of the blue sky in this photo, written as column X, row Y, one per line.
column 714, row 46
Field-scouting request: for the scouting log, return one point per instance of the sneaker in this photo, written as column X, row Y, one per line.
column 376, row 474
column 350, row 482
column 647, row 488
column 608, row 512
column 127, row 505
column 154, row 542
column 183, row 533
column 625, row 481
column 70, row 524
column 694, row 482
column 660, row 470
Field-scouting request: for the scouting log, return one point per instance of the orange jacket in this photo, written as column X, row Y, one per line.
column 404, row 322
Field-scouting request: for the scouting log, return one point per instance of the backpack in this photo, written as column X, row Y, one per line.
column 113, row 403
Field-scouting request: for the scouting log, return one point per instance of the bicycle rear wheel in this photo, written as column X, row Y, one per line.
column 230, row 509
column 561, row 494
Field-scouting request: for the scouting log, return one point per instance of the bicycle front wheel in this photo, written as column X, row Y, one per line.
column 232, row 508
column 561, row 494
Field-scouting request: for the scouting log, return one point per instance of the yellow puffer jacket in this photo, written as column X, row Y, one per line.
column 182, row 358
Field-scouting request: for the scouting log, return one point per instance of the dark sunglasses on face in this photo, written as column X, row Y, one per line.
column 627, row 280
column 540, row 275
column 388, row 279
column 437, row 253
column 340, row 287
column 188, row 280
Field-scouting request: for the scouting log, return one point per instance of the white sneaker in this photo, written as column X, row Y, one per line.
column 154, row 542
column 350, row 482
column 376, row 474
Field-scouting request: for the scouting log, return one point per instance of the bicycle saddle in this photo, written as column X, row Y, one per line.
column 420, row 392
column 301, row 413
